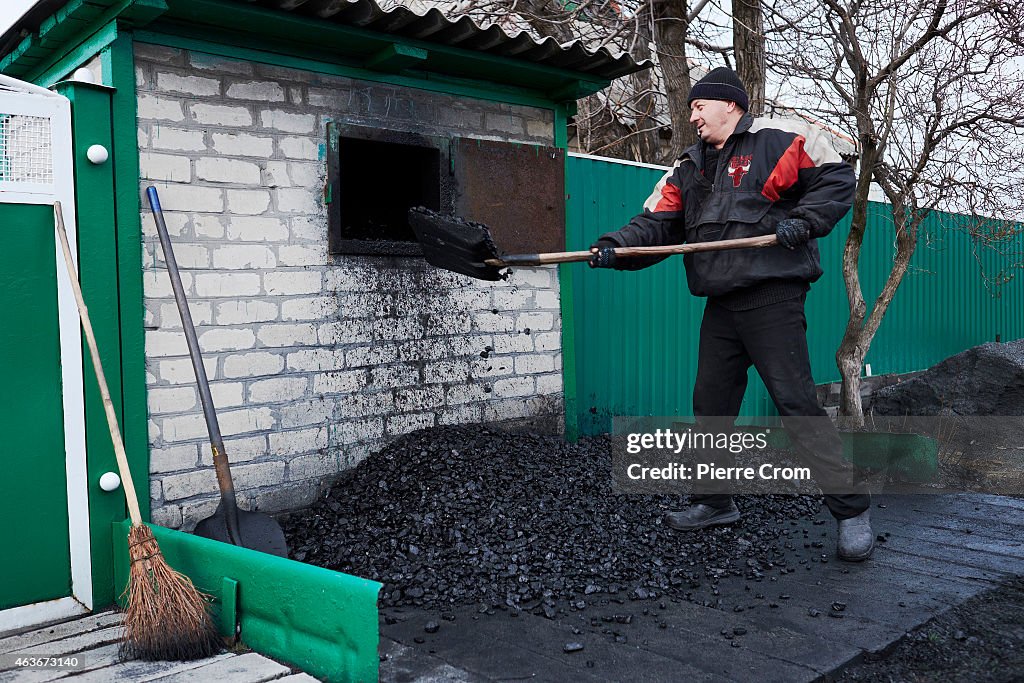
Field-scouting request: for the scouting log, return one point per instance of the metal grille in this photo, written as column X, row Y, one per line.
column 26, row 152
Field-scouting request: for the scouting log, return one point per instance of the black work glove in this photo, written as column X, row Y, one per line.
column 792, row 232
column 604, row 257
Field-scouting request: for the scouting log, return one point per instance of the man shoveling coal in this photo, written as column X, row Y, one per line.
column 746, row 178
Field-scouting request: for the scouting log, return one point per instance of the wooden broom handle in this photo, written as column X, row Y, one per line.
column 576, row 256
column 108, row 405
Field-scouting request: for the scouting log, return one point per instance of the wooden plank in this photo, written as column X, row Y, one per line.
column 58, row 631
column 248, row 668
column 90, row 660
column 136, row 670
column 73, row 644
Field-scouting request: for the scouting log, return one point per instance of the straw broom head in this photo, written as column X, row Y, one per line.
column 166, row 617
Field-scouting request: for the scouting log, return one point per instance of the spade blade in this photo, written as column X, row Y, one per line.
column 455, row 244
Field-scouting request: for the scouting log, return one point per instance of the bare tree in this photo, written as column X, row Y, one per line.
column 748, row 43
column 930, row 92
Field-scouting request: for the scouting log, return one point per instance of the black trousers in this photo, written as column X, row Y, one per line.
column 773, row 339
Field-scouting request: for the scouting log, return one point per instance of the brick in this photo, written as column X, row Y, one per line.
column 292, row 282
column 345, row 332
column 195, row 86
column 512, row 300
column 466, row 393
column 255, row 364
column 491, row 367
column 286, row 497
column 160, row 108
column 446, row 371
column 459, row 118
column 239, row 312
column 287, row 335
column 220, row 115
column 295, row 441
column 241, row 449
column 226, row 394
column 176, row 223
column 355, row 431
column 257, row 229
column 513, row 386
column 504, row 123
column 336, row 99
column 220, row 339
column 208, row 226
column 263, row 91
column 306, row 228
column 300, row 414
column 302, row 256
column 159, row 343
column 306, row 175
column 547, row 341
column 403, row 424
column 275, row 174
column 397, row 328
column 181, row 371
column 167, row 516
column 535, row 321
column 190, row 256
column 549, row 384
column 227, row 284
column 339, row 382
column 297, row 200
column 173, row 458
column 299, row 148
column 539, row 278
column 188, row 198
column 312, row 360
column 548, row 299
column 249, row 202
column 184, row 428
column 245, row 421
column 266, row 473
column 394, row 376
column 206, row 62
column 490, row 322
column 158, row 53
column 461, row 414
column 194, row 511
column 312, row 466
column 370, row 355
column 242, row 144
column 513, row 343
column 178, row 139
column 309, row 308
column 238, row 257
column 170, row 318
column 534, row 364
column 278, row 389
column 286, row 121
column 423, row 398
column 228, row 171
column 171, row 400
column 365, row 405
column 180, row 486
column 539, row 129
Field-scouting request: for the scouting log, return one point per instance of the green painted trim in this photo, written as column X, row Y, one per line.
column 89, row 48
column 316, row 62
column 97, row 258
column 321, row 621
column 290, row 30
column 125, row 155
column 396, row 57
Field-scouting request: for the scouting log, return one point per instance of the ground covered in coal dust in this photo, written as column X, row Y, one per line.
column 469, row 515
column 980, row 641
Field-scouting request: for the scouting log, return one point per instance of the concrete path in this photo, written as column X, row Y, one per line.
column 93, row 642
column 809, row 618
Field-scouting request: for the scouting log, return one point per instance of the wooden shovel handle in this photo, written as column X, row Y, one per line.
column 108, row 404
column 576, row 256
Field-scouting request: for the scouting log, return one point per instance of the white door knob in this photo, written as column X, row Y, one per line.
column 110, row 481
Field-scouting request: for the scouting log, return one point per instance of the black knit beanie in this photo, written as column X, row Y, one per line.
column 721, row 84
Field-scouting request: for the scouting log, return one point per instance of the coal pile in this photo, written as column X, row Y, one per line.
column 468, row 515
column 983, row 380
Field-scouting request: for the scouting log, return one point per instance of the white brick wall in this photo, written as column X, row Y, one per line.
column 315, row 360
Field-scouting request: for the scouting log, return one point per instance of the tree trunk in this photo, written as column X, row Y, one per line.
column 748, row 45
column 670, row 41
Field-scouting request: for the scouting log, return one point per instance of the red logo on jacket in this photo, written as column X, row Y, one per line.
column 739, row 166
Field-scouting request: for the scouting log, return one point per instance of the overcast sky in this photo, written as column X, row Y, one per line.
column 11, row 11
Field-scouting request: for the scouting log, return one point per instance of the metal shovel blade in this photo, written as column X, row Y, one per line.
column 455, row 244
column 258, row 531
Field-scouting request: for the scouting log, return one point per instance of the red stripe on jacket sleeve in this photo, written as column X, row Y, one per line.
column 671, row 199
column 785, row 173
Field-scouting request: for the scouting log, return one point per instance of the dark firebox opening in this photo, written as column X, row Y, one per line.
column 378, row 176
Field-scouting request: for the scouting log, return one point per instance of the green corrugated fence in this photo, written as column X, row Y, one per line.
column 636, row 333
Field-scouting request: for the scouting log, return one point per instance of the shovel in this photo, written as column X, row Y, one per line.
column 230, row 524
column 465, row 247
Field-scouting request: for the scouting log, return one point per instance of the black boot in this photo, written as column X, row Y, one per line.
column 701, row 516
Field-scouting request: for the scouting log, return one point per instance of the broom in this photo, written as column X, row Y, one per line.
column 166, row 615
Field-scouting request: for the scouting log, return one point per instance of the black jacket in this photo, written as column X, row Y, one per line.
column 769, row 169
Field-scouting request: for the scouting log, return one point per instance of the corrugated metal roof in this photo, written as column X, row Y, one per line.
column 434, row 27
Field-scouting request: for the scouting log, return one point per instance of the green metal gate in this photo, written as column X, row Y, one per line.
column 636, row 332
